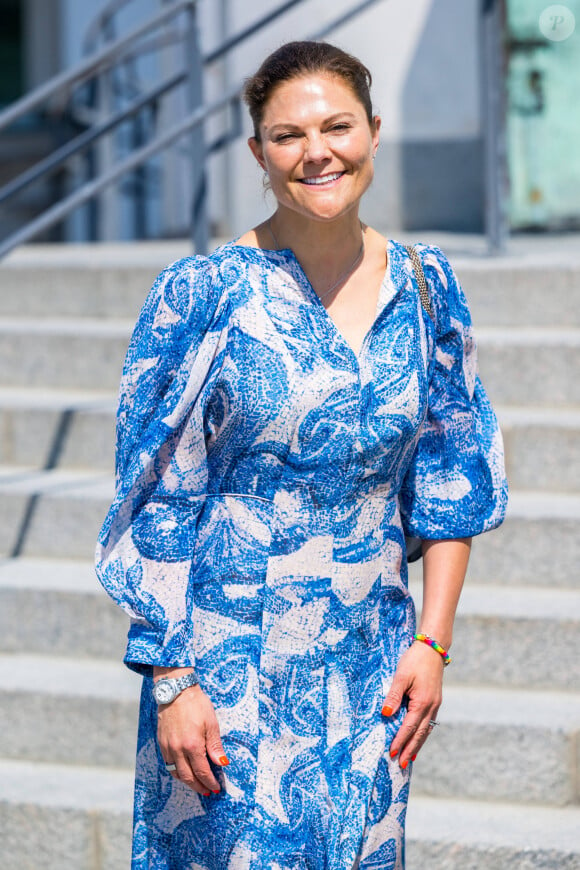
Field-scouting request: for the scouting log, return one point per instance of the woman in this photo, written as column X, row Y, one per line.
column 288, row 412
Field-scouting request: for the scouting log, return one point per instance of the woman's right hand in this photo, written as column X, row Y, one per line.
column 188, row 733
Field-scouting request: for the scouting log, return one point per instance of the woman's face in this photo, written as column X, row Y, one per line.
column 317, row 146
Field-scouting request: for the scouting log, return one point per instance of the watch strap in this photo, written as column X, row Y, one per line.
column 178, row 685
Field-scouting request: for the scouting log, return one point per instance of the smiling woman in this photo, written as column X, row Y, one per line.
column 288, row 413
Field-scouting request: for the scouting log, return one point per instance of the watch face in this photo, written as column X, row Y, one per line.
column 164, row 692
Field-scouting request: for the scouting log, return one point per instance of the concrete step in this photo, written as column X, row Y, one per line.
column 538, row 544
column 66, row 818
column 542, row 448
column 520, row 292
column 527, row 286
column 88, row 709
column 51, row 513
column 496, row 744
column 503, row 744
column 61, row 817
column 531, row 366
column 500, row 631
column 76, row 353
column 76, row 429
column 495, row 643
column 60, row 290
column 480, row 835
column 57, row 428
column 57, row 607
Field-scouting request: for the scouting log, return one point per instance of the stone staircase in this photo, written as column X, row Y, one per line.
column 498, row 784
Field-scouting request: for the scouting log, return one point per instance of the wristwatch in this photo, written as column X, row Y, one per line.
column 167, row 689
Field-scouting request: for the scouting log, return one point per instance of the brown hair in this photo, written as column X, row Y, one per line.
column 302, row 58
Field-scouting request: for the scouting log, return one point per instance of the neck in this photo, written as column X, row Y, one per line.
column 324, row 249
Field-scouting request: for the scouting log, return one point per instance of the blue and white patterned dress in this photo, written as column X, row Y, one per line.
column 266, row 475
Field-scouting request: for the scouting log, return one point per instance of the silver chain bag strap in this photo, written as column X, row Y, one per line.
column 414, row 550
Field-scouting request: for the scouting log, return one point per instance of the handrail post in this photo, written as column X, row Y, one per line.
column 194, row 65
column 494, row 134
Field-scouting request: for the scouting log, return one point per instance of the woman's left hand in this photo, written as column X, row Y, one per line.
column 419, row 676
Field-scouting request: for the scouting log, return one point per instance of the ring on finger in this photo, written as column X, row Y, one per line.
column 170, row 767
column 433, row 723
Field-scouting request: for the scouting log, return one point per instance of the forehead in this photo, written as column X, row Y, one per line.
column 299, row 98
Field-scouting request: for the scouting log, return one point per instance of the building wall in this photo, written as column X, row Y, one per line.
column 424, row 59
column 425, row 63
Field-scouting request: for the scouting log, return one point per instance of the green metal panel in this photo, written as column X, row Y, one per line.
column 543, row 114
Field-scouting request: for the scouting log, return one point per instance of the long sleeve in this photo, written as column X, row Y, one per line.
column 143, row 555
column 456, row 484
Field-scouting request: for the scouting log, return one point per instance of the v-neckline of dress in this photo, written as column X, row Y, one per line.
column 303, row 281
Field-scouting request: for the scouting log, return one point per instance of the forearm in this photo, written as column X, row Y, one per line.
column 444, row 569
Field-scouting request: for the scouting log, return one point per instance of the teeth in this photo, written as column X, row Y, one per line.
column 322, row 179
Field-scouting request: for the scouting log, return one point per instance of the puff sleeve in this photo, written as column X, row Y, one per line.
column 143, row 554
column 455, row 485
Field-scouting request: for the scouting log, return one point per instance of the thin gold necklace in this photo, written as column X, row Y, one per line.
column 344, row 275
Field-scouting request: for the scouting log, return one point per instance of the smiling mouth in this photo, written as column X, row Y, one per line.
column 317, row 180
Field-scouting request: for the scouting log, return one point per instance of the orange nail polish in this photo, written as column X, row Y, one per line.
column 206, row 793
column 224, row 760
column 404, row 764
column 414, row 757
column 216, row 790
column 387, row 710
column 392, row 753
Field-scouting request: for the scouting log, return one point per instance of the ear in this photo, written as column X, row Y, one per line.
column 376, row 131
column 256, row 149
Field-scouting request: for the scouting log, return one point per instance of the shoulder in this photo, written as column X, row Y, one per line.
column 445, row 290
column 184, row 293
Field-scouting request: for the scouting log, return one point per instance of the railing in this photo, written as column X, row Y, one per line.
column 120, row 49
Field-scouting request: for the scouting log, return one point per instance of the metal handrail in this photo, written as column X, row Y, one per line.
column 240, row 37
column 86, row 68
column 92, row 188
column 81, row 142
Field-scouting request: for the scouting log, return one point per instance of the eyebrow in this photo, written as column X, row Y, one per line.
column 289, row 126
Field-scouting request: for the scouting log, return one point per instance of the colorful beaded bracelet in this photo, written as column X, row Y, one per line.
column 430, row 641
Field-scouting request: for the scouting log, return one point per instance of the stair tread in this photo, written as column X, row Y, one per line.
column 495, row 824
column 512, row 602
column 63, row 575
column 93, row 678
column 537, row 504
column 529, row 335
column 66, row 786
column 76, row 326
column 535, row 415
column 531, row 504
column 479, row 705
column 486, row 705
column 59, row 399
column 89, row 483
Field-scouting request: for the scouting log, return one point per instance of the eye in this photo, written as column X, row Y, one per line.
column 285, row 137
column 340, row 128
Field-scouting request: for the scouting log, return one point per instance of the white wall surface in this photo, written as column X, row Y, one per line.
column 423, row 55
column 424, row 58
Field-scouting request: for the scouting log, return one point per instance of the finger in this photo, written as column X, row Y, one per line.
column 187, row 776
column 395, row 696
column 171, row 768
column 201, row 770
column 214, row 746
column 405, row 734
column 417, row 735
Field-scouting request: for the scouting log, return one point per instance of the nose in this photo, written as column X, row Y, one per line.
column 316, row 149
